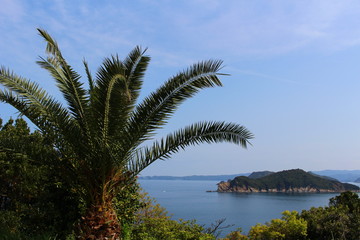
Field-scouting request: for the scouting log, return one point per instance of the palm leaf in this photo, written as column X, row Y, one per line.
column 110, row 94
column 33, row 102
column 117, row 88
column 204, row 132
column 156, row 109
column 136, row 64
column 89, row 76
column 67, row 80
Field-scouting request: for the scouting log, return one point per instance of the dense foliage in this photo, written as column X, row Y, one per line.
column 289, row 179
column 34, row 199
column 289, row 227
column 339, row 221
column 36, row 204
column 260, row 174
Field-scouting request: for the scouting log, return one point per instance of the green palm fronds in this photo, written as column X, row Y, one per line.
column 203, row 132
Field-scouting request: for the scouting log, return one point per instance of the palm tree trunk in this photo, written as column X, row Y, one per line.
column 100, row 222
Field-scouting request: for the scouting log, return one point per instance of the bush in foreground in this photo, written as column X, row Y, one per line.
column 340, row 220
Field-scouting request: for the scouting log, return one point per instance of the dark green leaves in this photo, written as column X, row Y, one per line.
column 116, row 90
column 33, row 102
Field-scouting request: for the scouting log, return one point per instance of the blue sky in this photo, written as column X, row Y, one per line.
column 294, row 65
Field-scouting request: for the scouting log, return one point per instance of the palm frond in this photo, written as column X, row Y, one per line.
column 67, row 80
column 23, row 108
column 156, row 109
column 136, row 64
column 204, row 132
column 111, row 95
column 33, row 102
column 52, row 47
column 89, row 76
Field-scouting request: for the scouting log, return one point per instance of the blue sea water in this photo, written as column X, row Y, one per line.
column 187, row 200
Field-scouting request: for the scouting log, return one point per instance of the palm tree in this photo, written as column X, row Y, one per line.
column 101, row 136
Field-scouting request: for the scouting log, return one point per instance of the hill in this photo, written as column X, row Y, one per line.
column 295, row 180
column 256, row 175
column 341, row 175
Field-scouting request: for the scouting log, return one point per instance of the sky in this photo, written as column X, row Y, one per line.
column 294, row 71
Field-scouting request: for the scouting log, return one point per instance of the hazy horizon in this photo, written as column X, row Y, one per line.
column 142, row 175
column 294, row 76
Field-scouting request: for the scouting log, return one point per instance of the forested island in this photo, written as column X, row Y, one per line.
column 295, row 180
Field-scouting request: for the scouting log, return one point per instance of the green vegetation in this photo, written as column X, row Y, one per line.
column 36, row 204
column 260, row 174
column 340, row 221
column 290, row 227
column 34, row 200
column 100, row 141
column 289, row 180
column 164, row 228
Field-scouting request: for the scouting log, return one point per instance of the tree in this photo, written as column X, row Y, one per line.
column 101, row 137
column 340, row 220
column 33, row 199
column 236, row 235
column 290, row 227
column 349, row 199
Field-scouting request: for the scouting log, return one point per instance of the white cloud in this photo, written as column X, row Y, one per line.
column 231, row 27
column 182, row 31
column 271, row 27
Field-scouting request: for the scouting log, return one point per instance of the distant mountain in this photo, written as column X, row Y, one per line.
column 195, row 177
column 325, row 177
column 295, row 180
column 256, row 175
column 357, row 180
column 341, row 175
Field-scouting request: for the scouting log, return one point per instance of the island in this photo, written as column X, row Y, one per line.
column 288, row 181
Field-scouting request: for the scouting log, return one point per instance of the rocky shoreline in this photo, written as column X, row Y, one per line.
column 225, row 187
column 287, row 181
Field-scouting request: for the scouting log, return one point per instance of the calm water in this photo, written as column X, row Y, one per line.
column 189, row 200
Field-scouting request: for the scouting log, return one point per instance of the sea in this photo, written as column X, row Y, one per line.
column 189, row 199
